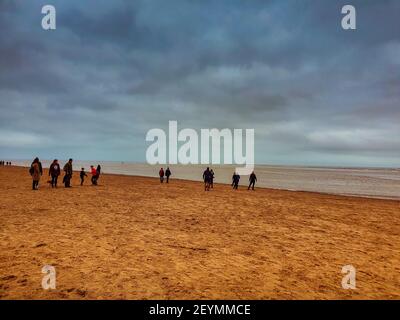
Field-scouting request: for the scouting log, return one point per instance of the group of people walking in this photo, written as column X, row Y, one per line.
column 236, row 179
column 36, row 171
column 165, row 174
column 5, row 163
column 208, row 177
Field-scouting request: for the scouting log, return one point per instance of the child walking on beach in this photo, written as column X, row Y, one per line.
column 83, row 175
column 93, row 171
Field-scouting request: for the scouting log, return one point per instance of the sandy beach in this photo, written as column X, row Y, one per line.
column 134, row 238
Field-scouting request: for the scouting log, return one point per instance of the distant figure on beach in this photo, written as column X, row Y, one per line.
column 98, row 171
column 212, row 178
column 161, row 174
column 167, row 174
column 68, row 173
column 93, row 171
column 54, row 172
column 235, row 181
column 36, row 172
column 82, row 175
column 207, row 179
column 252, row 180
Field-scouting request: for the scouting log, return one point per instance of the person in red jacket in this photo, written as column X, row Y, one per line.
column 161, row 174
column 93, row 171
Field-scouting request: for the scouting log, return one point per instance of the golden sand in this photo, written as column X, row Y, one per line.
column 133, row 238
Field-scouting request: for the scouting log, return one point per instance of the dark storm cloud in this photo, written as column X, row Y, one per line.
column 115, row 69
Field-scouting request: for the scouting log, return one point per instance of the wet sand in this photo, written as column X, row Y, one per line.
column 133, row 238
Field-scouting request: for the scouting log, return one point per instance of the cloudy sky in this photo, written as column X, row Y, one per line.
column 112, row 70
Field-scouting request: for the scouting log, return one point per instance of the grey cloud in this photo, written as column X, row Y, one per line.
column 114, row 69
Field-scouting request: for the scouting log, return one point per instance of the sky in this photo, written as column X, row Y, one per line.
column 315, row 94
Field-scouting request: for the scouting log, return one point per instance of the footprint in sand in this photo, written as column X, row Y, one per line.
column 23, row 282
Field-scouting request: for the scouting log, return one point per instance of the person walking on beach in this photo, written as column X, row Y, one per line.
column 252, row 180
column 167, row 174
column 98, row 171
column 93, row 171
column 54, row 172
column 235, row 181
column 68, row 173
column 207, row 179
column 161, row 174
column 212, row 179
column 82, row 175
column 36, row 172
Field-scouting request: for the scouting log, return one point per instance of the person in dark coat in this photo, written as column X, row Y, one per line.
column 68, row 173
column 252, row 180
column 98, row 171
column 212, row 179
column 82, row 175
column 167, row 174
column 54, row 172
column 207, row 179
column 235, row 181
